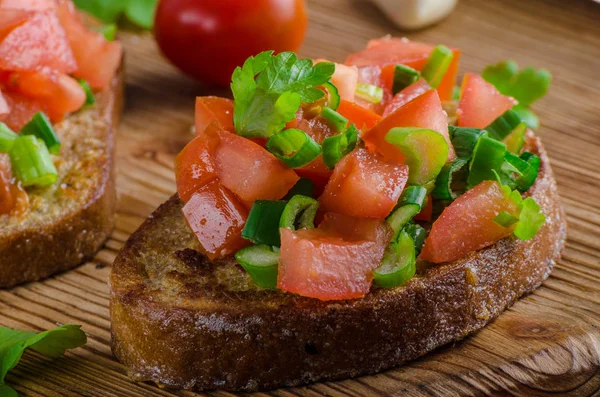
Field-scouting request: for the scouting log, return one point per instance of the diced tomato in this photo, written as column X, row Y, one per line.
column 426, row 212
column 22, row 109
column 364, row 185
column 97, row 59
column 380, row 76
column 4, row 109
column 480, row 102
column 392, row 51
column 32, row 5
column 211, row 108
column 7, row 200
column 217, row 219
column 406, row 95
column 424, row 111
column 344, row 79
column 60, row 93
column 250, row 171
column 35, row 43
column 468, row 224
column 334, row 261
column 361, row 117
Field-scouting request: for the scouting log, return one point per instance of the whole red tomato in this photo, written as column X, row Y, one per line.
column 207, row 39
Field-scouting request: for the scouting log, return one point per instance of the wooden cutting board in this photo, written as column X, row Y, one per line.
column 547, row 344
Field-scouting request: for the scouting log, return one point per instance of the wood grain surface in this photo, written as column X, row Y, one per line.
column 548, row 343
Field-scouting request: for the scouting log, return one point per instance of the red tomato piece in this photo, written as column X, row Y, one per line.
column 480, row 102
column 361, row 117
column 381, row 77
column 424, row 111
column 7, row 200
column 97, row 59
column 211, row 108
column 4, row 109
column 217, row 218
column 468, row 224
column 345, row 79
column 406, row 95
column 37, row 42
column 334, row 261
column 364, row 185
column 392, row 51
column 32, row 5
column 250, row 171
column 22, row 110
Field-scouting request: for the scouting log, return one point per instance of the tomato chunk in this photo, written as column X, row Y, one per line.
column 344, row 79
column 250, row 171
column 212, row 108
column 468, row 224
column 334, row 261
column 22, row 109
column 424, row 111
column 406, row 95
column 364, row 185
column 97, row 59
column 4, row 109
column 7, row 199
column 217, row 218
column 360, row 116
column 37, row 42
column 32, row 5
column 480, row 102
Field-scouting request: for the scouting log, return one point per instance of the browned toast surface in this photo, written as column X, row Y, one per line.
column 182, row 321
column 69, row 221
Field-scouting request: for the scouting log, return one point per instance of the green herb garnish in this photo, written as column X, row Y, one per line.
column 139, row 12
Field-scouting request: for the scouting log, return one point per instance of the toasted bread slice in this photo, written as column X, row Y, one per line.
column 69, row 221
column 182, row 321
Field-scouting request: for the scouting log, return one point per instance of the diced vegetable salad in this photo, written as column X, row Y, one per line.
column 51, row 64
column 327, row 180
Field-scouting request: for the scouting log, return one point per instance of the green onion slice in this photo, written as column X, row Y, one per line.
column 261, row 263
column 464, row 140
column 403, row 77
column 299, row 213
column 262, row 226
column 294, row 147
column 40, row 126
column 410, row 203
column 488, row 157
column 370, row 93
column 304, row 187
column 398, row 264
column 418, row 234
column 505, row 219
column 515, row 140
column 336, row 147
column 7, row 138
column 338, row 121
column 89, row 94
column 333, row 96
column 108, row 31
column 437, row 65
column 31, row 162
column 526, row 167
column 504, row 125
column 452, row 180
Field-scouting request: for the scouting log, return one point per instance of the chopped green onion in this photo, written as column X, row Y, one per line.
column 398, row 264
column 505, row 219
column 452, row 180
column 418, row 234
column 403, row 77
column 527, row 169
column 304, row 187
column 516, row 139
column 504, row 125
column 488, row 157
column 528, row 116
column 531, row 219
column 425, row 152
column 261, row 263
column 336, row 147
column 410, row 204
column 464, row 140
column 262, row 226
column 294, row 147
column 437, row 65
column 109, row 31
column 338, row 121
column 370, row 93
column 456, row 93
column 7, row 138
column 89, row 94
column 333, row 96
column 40, row 126
column 31, row 162
column 299, row 213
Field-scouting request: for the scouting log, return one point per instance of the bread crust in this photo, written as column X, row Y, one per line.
column 177, row 322
column 74, row 230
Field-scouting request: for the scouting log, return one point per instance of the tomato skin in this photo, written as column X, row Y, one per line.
column 360, row 116
column 468, row 224
column 224, row 33
column 7, row 199
column 213, row 108
column 217, row 218
column 4, row 109
column 364, row 185
column 38, row 5
column 334, row 261
column 426, row 212
column 480, row 102
column 406, row 95
column 22, row 109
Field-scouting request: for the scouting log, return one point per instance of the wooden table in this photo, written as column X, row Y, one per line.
column 548, row 343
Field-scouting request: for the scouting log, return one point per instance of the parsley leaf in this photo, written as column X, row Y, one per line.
column 139, row 12
column 269, row 89
column 51, row 343
column 526, row 86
